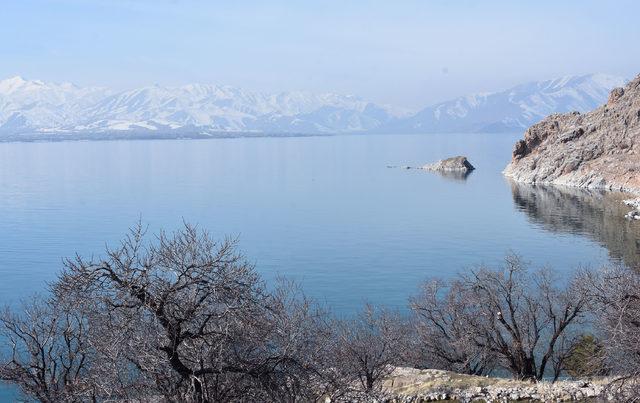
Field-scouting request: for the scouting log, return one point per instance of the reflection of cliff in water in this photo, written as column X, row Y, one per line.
column 597, row 215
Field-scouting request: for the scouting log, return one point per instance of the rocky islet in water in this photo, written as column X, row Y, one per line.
column 455, row 167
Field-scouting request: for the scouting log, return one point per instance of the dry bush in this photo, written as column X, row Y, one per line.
column 616, row 293
column 509, row 317
column 368, row 348
column 185, row 318
column 48, row 352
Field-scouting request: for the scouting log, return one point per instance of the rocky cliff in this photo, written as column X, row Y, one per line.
column 599, row 149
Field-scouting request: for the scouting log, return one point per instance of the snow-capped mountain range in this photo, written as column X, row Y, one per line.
column 513, row 109
column 33, row 108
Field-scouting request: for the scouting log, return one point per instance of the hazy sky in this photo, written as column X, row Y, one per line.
column 408, row 53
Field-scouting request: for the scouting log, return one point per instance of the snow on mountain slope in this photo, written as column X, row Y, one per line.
column 35, row 104
column 35, row 107
column 511, row 110
column 224, row 109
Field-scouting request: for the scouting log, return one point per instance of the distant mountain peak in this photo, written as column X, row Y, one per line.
column 34, row 106
column 513, row 109
column 14, row 80
column 10, row 84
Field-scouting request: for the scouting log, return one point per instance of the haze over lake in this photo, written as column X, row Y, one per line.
column 325, row 211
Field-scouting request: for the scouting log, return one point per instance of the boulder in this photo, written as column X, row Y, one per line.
column 453, row 164
column 615, row 95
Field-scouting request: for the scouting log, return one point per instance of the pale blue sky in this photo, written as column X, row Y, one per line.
column 409, row 53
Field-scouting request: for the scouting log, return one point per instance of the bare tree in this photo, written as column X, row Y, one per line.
column 443, row 317
column 512, row 315
column 368, row 347
column 179, row 304
column 292, row 351
column 185, row 318
column 50, row 356
column 616, row 293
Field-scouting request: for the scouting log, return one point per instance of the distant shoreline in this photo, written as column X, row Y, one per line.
column 55, row 138
column 116, row 136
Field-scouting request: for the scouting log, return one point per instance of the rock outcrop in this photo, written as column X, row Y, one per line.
column 453, row 164
column 598, row 150
column 408, row 385
column 455, row 168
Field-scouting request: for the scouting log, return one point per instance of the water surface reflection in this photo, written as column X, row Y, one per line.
column 596, row 214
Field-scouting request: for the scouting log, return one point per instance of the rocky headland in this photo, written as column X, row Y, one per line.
column 597, row 150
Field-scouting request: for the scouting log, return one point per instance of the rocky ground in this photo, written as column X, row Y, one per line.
column 408, row 385
column 599, row 149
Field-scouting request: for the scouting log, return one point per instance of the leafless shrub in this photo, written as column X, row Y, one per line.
column 511, row 317
column 616, row 293
column 444, row 316
column 368, row 347
column 50, row 356
column 184, row 318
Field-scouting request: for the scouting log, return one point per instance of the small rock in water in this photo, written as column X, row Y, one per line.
column 459, row 163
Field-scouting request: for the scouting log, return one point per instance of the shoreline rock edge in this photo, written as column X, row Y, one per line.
column 596, row 150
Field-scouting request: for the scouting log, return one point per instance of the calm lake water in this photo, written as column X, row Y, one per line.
column 325, row 211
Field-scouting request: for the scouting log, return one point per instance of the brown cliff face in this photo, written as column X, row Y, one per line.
column 599, row 149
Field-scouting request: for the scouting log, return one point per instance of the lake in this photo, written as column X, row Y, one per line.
column 325, row 211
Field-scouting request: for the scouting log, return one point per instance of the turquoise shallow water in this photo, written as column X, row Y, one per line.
column 325, row 211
